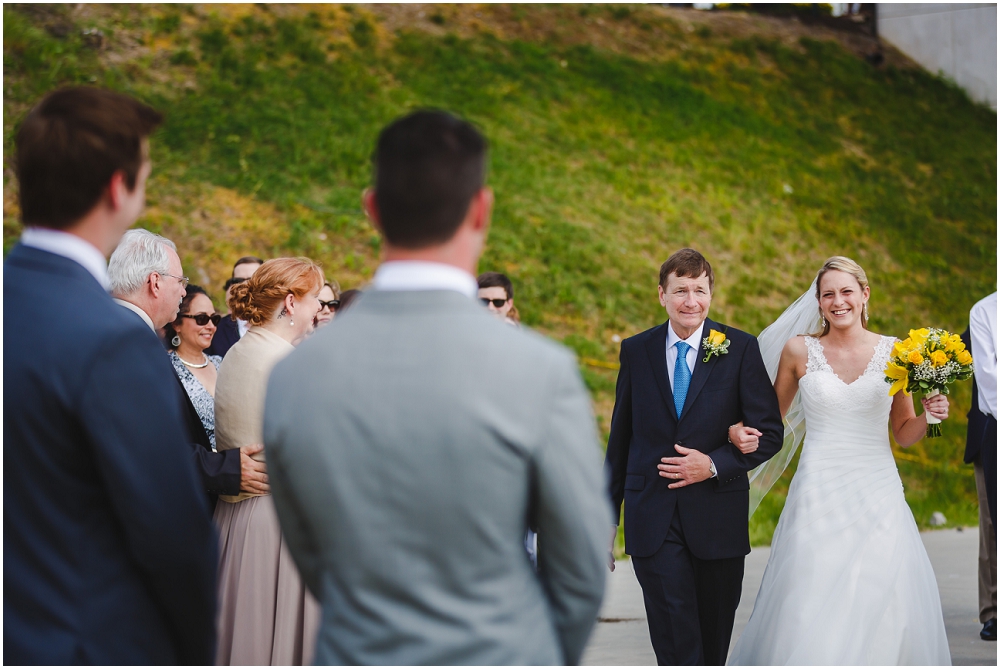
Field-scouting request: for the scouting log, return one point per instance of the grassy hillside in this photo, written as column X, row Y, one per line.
column 619, row 134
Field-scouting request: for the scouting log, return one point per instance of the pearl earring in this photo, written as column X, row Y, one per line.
column 291, row 322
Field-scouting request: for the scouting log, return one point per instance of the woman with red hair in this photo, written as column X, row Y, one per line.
column 266, row 615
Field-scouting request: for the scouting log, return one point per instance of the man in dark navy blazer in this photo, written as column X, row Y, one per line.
column 109, row 550
column 669, row 458
column 145, row 276
column 231, row 330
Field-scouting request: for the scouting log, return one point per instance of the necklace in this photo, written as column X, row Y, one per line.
column 191, row 364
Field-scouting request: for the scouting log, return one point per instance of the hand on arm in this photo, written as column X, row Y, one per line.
column 253, row 473
column 747, row 439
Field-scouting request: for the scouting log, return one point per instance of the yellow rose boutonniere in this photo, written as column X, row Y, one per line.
column 715, row 343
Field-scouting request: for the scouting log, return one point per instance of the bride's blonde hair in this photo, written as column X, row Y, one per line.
column 841, row 264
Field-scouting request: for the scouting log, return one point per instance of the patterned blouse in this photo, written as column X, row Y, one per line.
column 203, row 403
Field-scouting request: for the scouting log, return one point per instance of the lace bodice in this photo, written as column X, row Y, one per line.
column 857, row 410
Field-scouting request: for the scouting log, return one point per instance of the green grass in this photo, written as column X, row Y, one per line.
column 603, row 163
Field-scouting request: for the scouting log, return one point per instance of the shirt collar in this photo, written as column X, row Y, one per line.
column 422, row 275
column 142, row 314
column 693, row 341
column 70, row 246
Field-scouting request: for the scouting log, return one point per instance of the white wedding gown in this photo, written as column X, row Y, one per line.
column 848, row 581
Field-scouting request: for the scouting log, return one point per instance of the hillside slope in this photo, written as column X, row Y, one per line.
column 618, row 135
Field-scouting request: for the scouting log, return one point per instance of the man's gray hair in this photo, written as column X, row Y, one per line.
column 139, row 254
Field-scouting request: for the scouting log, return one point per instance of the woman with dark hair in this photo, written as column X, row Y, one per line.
column 266, row 615
column 187, row 338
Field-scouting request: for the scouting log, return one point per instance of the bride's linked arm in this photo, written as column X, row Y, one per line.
column 791, row 368
column 760, row 409
column 909, row 428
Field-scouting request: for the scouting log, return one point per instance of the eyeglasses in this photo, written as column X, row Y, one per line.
column 332, row 305
column 203, row 319
column 497, row 302
column 183, row 279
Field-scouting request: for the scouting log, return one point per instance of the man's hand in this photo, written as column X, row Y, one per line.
column 747, row 439
column 692, row 467
column 611, row 548
column 253, row 474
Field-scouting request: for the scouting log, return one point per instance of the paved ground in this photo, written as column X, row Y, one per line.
column 621, row 637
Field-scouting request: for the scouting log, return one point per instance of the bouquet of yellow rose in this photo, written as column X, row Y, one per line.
column 928, row 361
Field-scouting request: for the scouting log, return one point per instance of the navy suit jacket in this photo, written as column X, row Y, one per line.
column 226, row 336
column 977, row 419
column 109, row 550
column 644, row 428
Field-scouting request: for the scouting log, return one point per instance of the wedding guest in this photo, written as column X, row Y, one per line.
column 188, row 337
column 329, row 302
column 145, row 278
column 983, row 331
column 403, row 482
column 231, row 329
column 109, row 555
column 987, row 533
column 496, row 292
column 266, row 616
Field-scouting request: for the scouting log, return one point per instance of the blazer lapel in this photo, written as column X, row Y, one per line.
column 656, row 349
column 702, row 370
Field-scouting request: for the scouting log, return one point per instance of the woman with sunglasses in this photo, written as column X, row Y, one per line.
column 329, row 302
column 187, row 338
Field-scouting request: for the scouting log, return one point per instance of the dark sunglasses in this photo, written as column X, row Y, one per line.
column 332, row 305
column 497, row 302
column 203, row 319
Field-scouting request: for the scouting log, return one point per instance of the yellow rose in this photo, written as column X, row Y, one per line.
column 964, row 358
column 955, row 344
column 938, row 358
column 915, row 357
column 716, row 338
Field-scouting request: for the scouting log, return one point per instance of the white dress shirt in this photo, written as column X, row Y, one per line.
column 983, row 331
column 69, row 246
column 242, row 327
column 422, row 275
column 142, row 314
column 694, row 341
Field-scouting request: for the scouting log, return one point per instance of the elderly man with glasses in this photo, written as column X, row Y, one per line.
column 146, row 278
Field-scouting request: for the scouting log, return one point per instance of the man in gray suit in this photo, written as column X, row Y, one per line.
column 412, row 442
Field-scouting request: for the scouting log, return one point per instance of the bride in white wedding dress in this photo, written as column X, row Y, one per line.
column 848, row 581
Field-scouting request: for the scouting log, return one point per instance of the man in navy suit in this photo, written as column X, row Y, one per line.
column 109, row 550
column 684, row 486
column 231, row 330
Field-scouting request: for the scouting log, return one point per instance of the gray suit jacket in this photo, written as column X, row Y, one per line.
column 409, row 444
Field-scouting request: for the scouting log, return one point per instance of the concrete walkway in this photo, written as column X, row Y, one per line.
column 622, row 638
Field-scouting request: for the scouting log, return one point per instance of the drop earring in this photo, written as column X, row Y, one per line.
column 176, row 341
column 867, row 317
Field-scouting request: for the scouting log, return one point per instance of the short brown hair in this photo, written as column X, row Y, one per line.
column 70, row 145
column 258, row 298
column 687, row 262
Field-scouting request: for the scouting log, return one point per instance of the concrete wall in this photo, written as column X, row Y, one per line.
column 958, row 39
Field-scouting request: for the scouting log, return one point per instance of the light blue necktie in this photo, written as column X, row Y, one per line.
column 682, row 376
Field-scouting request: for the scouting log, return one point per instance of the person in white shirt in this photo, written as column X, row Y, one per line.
column 983, row 330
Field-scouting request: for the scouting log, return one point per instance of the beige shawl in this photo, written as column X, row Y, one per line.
column 239, row 392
